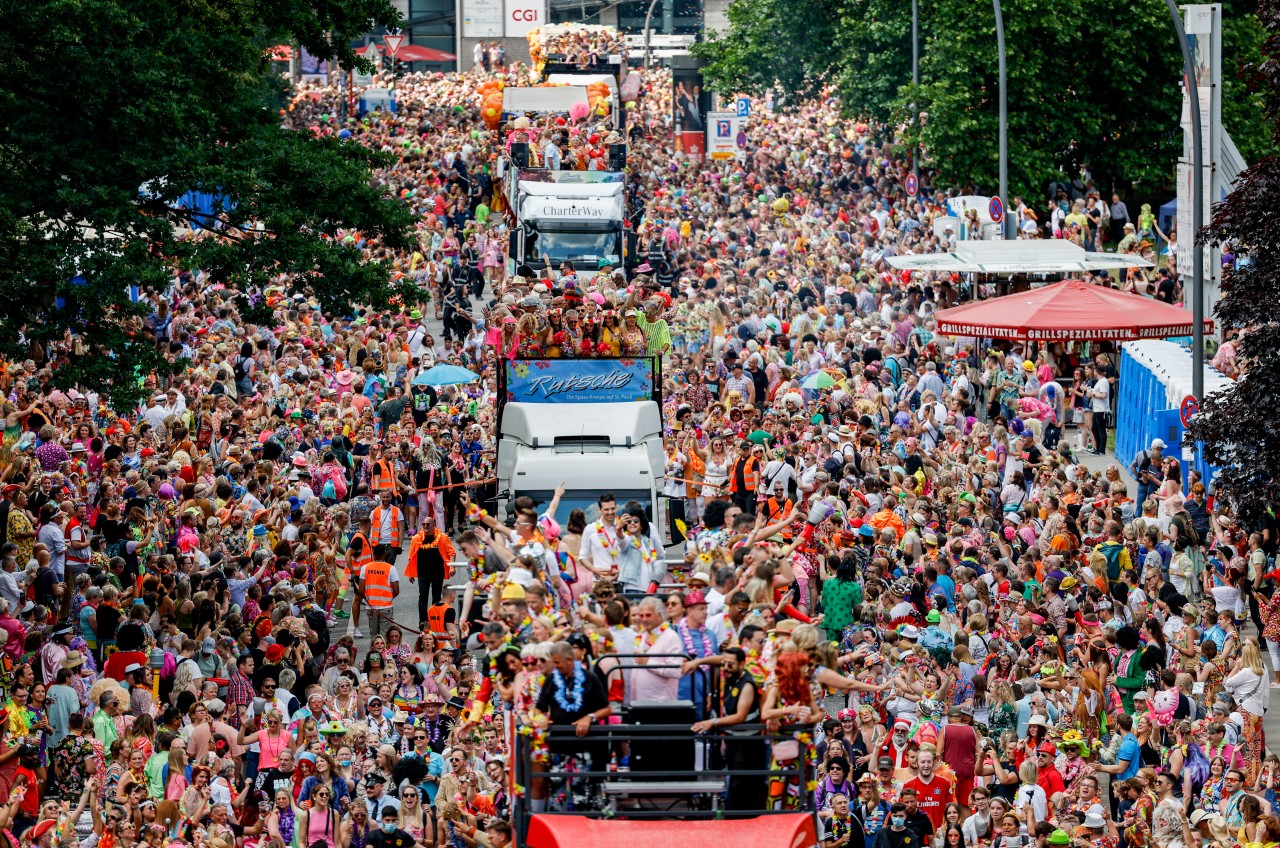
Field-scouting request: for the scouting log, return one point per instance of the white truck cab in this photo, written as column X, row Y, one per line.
column 562, row 424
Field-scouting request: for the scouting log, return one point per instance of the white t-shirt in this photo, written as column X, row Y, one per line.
column 1225, row 599
column 1102, row 397
column 777, row 472
column 1036, row 797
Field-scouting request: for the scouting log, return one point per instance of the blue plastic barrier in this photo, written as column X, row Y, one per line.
column 1145, row 409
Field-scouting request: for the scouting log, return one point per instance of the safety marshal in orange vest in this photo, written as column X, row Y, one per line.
column 744, row 479
column 430, row 558
column 385, row 525
column 359, row 554
column 380, row 582
column 778, row 507
column 382, row 471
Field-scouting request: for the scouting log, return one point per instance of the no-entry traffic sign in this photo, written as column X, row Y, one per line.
column 1187, row 409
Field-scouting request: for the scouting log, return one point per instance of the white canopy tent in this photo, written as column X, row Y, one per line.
column 1049, row 256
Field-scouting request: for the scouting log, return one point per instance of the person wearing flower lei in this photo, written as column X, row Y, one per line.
column 1073, row 767
column 571, row 696
column 600, row 548
column 696, row 642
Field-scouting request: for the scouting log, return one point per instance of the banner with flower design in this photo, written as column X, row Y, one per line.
column 579, row 380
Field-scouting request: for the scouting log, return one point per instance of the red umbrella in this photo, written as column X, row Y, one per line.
column 1071, row 310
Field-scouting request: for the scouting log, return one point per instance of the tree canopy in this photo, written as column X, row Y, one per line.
column 1238, row 432
column 111, row 112
column 1090, row 84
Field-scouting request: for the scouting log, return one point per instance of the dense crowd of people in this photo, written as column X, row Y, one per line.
column 902, row 589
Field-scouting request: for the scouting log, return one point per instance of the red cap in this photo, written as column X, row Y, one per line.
column 274, row 653
column 41, row 828
column 695, row 598
column 1048, row 748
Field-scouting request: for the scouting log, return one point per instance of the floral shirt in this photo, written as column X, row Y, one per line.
column 69, row 757
column 1137, row 830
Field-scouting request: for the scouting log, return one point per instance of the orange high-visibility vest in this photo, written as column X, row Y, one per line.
column 364, row 557
column 436, row 623
column 382, row 477
column 375, row 526
column 775, row 511
column 750, row 476
column 377, row 585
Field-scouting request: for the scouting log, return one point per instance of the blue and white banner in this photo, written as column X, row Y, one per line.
column 579, row 380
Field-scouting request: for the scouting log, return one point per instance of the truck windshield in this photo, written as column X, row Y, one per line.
column 579, row 246
column 588, row 502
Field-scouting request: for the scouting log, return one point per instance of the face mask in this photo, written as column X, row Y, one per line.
column 899, row 821
column 388, row 827
column 344, row 763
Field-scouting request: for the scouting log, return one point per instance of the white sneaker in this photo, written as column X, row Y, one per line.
column 358, row 633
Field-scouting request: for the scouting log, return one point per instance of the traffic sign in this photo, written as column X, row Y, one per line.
column 913, row 185
column 744, row 107
column 393, row 42
column 1187, row 410
column 741, row 140
column 996, row 210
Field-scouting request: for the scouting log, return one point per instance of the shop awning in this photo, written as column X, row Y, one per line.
column 411, row 53
column 1071, row 310
column 1047, row 256
column 418, row 53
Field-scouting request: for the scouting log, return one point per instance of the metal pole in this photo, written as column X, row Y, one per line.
column 1197, row 205
column 1004, row 121
column 915, row 84
column 648, row 33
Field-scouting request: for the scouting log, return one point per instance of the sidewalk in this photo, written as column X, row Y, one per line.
column 1100, row 463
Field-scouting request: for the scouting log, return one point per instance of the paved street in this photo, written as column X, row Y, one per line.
column 405, row 608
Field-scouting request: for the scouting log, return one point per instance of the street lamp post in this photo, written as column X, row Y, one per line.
column 1004, row 120
column 915, row 86
column 1197, row 205
column 648, row 33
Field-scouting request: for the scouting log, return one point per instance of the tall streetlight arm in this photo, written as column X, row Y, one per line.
column 1004, row 119
column 1197, row 204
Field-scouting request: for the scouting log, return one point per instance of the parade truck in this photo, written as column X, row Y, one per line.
column 560, row 215
column 594, row 425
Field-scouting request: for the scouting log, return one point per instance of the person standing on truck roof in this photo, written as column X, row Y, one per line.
column 551, row 152
column 600, row 550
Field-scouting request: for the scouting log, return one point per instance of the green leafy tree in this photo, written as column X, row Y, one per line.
column 1090, row 85
column 111, row 112
column 1236, row 424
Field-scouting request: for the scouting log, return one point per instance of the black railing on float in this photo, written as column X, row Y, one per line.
column 727, row 772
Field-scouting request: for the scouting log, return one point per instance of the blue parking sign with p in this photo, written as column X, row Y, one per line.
column 744, row 107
